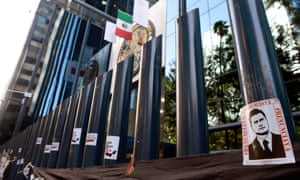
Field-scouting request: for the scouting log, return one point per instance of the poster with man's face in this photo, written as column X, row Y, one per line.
column 265, row 134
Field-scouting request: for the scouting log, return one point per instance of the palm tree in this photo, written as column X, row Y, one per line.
column 221, row 29
column 169, row 127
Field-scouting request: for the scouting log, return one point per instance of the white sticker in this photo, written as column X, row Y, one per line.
column 265, row 134
column 91, row 139
column 76, row 136
column 111, row 147
column 39, row 140
column 55, row 146
column 47, row 148
column 22, row 161
column 20, row 150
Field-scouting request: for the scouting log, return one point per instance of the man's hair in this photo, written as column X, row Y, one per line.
column 254, row 112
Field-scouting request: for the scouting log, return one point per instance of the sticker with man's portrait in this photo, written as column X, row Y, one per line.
column 265, row 135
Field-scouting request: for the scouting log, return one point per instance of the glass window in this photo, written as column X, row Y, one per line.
column 218, row 13
column 171, row 25
column 172, row 9
column 170, row 52
column 44, row 10
column 214, row 3
column 201, row 4
column 205, row 26
column 43, row 20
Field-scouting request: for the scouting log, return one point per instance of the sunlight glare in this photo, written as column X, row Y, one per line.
column 16, row 19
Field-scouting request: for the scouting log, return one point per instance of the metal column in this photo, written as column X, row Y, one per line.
column 119, row 114
column 95, row 140
column 58, row 132
column 258, row 66
column 148, row 104
column 192, row 123
column 80, row 127
column 67, row 132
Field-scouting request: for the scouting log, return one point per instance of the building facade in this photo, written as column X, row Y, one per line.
column 29, row 68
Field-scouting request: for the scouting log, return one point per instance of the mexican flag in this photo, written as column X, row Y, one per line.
column 124, row 25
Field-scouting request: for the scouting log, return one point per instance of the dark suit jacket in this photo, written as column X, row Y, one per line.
column 256, row 151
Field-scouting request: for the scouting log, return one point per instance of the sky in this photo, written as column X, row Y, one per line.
column 15, row 20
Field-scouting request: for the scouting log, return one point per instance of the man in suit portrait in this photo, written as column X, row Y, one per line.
column 266, row 144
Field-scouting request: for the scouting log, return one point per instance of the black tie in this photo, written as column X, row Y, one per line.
column 266, row 146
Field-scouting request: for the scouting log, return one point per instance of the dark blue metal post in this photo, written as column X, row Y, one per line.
column 95, row 139
column 258, row 66
column 192, row 123
column 119, row 114
column 38, row 147
column 80, row 127
column 148, row 105
column 31, row 141
column 46, row 128
column 67, row 132
column 58, row 131
column 49, row 136
column 23, row 148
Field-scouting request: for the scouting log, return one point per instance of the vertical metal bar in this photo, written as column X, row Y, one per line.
column 93, row 151
column 80, row 124
column 32, row 140
column 58, row 131
column 108, row 6
column 182, row 7
column 192, row 125
column 48, row 137
column 29, row 156
column 258, row 66
column 119, row 114
column 67, row 132
column 23, row 148
column 148, row 105
column 39, row 146
column 40, row 152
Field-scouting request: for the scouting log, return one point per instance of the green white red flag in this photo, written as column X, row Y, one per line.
column 124, row 25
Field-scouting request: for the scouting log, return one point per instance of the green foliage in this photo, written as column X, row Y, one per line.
column 289, row 59
column 218, row 141
column 170, row 109
column 294, row 16
column 287, row 43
